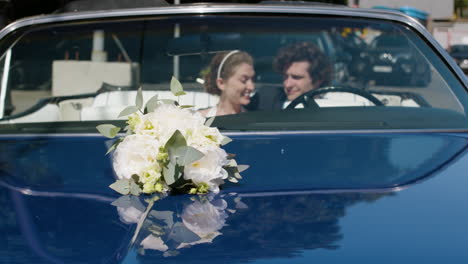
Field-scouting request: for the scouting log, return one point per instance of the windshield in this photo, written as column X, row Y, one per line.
column 254, row 73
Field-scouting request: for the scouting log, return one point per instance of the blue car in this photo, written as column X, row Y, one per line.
column 350, row 170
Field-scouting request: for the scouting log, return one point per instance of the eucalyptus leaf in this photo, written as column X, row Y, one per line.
column 186, row 155
column 237, row 175
column 152, row 104
column 176, row 87
column 134, row 188
column 171, row 173
column 241, row 168
column 168, row 101
column 209, row 121
column 139, row 99
column 225, row 140
column 230, row 171
column 232, row 163
column 182, row 234
column 176, row 141
column 108, row 130
column 114, row 146
column 234, row 180
column 121, row 186
column 128, row 110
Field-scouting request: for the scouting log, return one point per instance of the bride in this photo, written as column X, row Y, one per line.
column 231, row 77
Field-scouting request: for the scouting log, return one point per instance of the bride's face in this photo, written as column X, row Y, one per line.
column 239, row 86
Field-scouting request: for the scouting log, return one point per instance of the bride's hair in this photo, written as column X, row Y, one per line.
column 223, row 66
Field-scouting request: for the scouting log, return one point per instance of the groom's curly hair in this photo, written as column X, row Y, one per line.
column 320, row 67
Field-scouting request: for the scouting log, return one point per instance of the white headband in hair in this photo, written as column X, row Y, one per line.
column 223, row 61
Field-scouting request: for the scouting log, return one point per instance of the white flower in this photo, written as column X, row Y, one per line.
column 203, row 136
column 168, row 118
column 205, row 220
column 209, row 169
column 135, row 155
column 129, row 215
column 135, row 122
column 154, row 242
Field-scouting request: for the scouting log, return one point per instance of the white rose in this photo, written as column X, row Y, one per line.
column 154, row 242
column 134, row 155
column 129, row 215
column 209, row 169
column 205, row 219
column 168, row 118
column 203, row 136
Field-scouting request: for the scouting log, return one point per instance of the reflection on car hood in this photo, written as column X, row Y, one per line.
column 323, row 197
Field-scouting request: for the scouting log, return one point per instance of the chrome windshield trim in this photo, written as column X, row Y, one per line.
column 200, row 9
column 451, row 132
column 210, row 9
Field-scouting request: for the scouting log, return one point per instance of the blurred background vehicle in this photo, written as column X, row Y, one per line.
column 460, row 54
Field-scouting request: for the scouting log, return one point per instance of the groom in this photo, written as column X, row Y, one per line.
column 304, row 67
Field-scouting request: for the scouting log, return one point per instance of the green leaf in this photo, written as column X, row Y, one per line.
column 134, row 188
column 225, row 140
column 128, row 111
column 231, row 171
column 232, row 163
column 234, row 180
column 114, row 146
column 176, row 87
column 168, row 101
column 209, row 121
column 139, row 99
column 121, row 186
column 171, row 173
column 241, row 168
column 152, row 104
column 176, row 141
column 237, row 175
column 186, row 155
column 108, row 130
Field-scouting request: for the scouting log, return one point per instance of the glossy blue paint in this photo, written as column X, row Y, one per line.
column 56, row 204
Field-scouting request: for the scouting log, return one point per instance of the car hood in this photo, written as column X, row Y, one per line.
column 323, row 197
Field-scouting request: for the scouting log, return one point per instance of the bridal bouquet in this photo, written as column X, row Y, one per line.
column 169, row 147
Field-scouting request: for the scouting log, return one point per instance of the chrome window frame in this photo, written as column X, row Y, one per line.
column 279, row 9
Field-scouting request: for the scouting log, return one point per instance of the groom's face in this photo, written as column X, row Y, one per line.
column 297, row 80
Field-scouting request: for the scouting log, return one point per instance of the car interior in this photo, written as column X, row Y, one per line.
column 78, row 73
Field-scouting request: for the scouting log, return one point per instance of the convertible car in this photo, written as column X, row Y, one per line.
column 364, row 169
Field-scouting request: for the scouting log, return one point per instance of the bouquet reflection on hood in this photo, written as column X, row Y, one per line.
column 199, row 222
